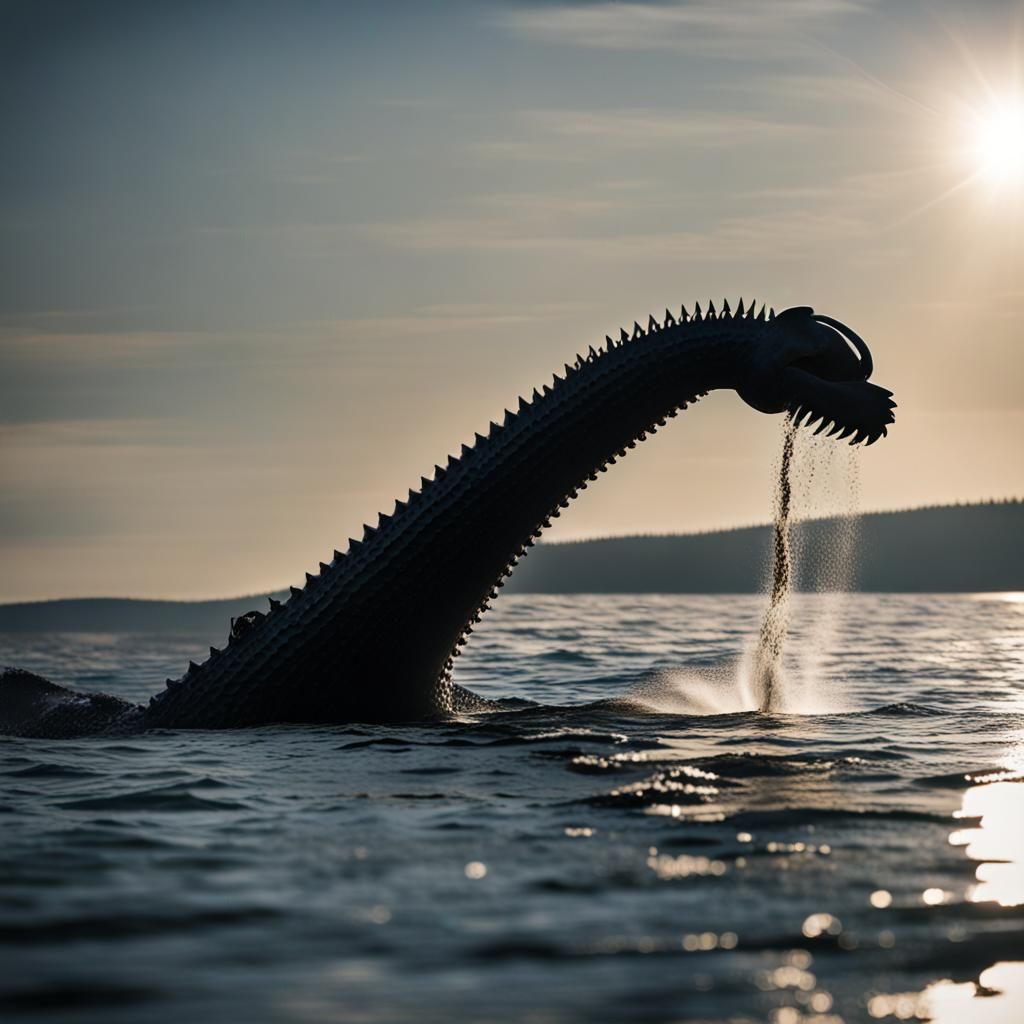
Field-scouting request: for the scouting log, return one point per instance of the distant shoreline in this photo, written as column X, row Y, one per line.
column 940, row 549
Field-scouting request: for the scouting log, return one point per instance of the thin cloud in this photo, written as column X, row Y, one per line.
column 583, row 135
column 849, row 191
column 827, row 90
column 440, row 320
column 61, row 433
column 83, row 344
column 740, row 29
column 772, row 236
column 642, row 128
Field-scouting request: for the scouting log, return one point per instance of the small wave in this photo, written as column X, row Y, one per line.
column 55, row 771
column 108, row 837
column 565, row 656
column 752, row 765
column 123, row 924
column 56, row 997
column 904, row 708
column 560, row 735
column 791, row 817
column 166, row 799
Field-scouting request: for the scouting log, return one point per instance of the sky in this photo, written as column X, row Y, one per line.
column 263, row 264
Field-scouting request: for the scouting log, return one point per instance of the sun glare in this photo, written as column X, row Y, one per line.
column 997, row 142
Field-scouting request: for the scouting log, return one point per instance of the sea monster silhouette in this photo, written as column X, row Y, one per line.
column 374, row 635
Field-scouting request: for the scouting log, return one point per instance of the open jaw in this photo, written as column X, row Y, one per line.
column 829, row 386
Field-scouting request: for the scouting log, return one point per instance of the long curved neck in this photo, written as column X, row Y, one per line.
column 373, row 636
column 511, row 484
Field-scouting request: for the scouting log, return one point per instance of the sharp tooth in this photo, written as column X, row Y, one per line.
column 846, row 432
column 821, row 426
column 739, row 308
column 859, row 436
column 872, row 439
column 683, row 314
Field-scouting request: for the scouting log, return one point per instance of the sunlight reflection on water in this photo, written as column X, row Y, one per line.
column 993, row 999
column 997, row 842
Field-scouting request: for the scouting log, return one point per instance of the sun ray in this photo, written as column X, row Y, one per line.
column 936, row 201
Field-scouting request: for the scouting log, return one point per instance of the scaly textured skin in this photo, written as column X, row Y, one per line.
column 374, row 634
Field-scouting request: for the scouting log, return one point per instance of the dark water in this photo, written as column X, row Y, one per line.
column 671, row 857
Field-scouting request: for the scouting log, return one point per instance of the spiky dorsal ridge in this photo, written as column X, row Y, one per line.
column 356, row 546
column 522, row 549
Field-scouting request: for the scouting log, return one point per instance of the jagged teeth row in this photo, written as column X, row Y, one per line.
column 805, row 416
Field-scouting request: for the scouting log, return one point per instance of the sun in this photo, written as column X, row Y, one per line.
column 996, row 142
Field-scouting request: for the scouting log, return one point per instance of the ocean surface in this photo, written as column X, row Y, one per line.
column 627, row 841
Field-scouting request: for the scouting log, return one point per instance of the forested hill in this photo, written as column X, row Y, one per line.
column 947, row 548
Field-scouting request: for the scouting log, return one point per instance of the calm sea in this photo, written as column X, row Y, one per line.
column 627, row 841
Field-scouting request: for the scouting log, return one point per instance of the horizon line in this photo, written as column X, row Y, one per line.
column 980, row 503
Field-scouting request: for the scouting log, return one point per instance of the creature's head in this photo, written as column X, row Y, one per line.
column 816, row 368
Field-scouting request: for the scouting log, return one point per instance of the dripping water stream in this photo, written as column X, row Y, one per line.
column 768, row 677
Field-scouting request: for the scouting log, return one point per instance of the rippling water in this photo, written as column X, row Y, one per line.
column 639, row 845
